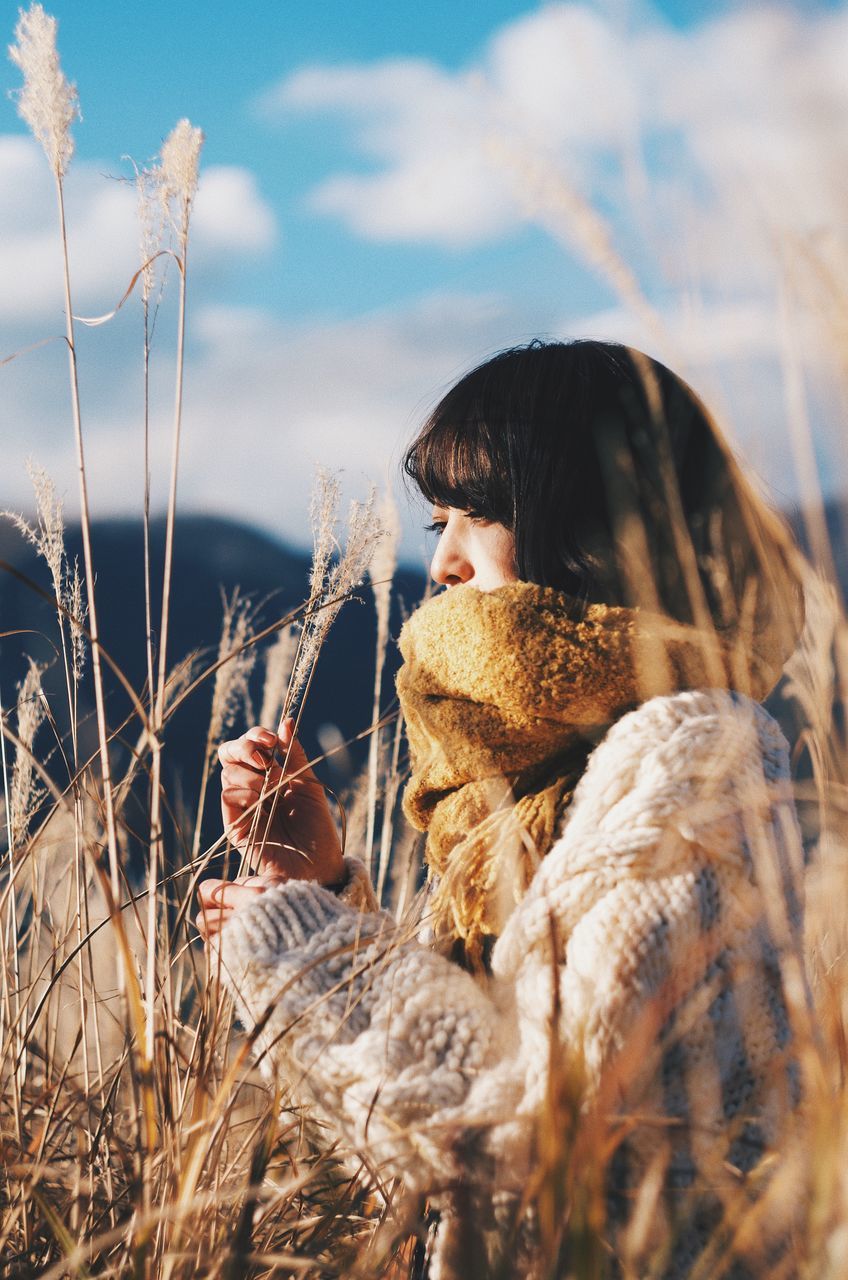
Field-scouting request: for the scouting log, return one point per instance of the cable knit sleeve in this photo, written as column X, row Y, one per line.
column 381, row 1033
column 649, row 895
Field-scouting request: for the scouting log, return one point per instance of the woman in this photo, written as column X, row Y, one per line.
column 613, row 853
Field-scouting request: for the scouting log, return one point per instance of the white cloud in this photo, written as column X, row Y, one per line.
column 694, row 334
column 694, row 143
column 428, row 128
column 230, row 213
column 100, row 234
column 563, row 76
column 699, row 167
column 264, row 403
column 230, row 216
column 700, row 140
column 267, row 402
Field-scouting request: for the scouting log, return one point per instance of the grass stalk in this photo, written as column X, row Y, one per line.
column 390, row 794
column 127, row 978
column 373, row 759
column 11, row 1000
column 172, row 495
column 85, row 529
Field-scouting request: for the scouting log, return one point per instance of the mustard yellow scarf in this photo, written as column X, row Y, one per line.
column 505, row 693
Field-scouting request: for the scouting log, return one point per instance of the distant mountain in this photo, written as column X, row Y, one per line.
column 211, row 555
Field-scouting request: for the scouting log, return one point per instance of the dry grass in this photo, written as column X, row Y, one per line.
column 137, row 1138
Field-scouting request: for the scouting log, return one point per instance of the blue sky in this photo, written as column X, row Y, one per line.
column 359, row 243
column 141, row 66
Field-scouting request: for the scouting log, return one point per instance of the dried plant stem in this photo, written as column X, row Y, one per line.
column 154, row 860
column 389, row 798
column 236, row 658
column 555, row 204
column 158, row 708
column 12, row 926
column 172, row 496
column 11, row 959
column 126, row 976
column 85, row 527
column 157, row 702
column 286, row 710
column 79, row 893
column 381, row 572
column 80, row 880
column 148, row 608
column 801, row 442
column 373, row 758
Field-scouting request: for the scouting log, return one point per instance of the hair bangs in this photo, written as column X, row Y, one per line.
column 454, row 463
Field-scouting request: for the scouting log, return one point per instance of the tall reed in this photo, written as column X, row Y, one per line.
column 138, row 1140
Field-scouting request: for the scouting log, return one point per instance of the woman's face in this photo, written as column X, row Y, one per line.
column 471, row 549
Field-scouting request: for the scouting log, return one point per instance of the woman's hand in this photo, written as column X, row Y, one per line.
column 302, row 842
column 220, row 898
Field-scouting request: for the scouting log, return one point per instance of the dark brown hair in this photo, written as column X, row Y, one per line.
column 617, row 484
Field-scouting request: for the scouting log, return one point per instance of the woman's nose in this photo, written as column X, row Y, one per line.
column 450, row 565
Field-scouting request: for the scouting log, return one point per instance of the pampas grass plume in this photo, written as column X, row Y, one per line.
column 78, row 611
column 47, row 102
column 364, row 532
column 47, row 535
column 279, row 660
column 26, row 791
column 150, row 208
column 381, row 570
column 178, row 171
column 232, row 679
column 324, row 513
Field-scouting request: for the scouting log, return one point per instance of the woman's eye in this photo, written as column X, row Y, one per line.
column 436, row 527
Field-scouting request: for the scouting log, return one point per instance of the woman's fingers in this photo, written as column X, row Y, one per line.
column 297, row 762
column 230, row 896
column 271, row 799
column 245, row 752
column 240, row 797
column 253, row 748
column 253, row 752
column 236, row 775
column 220, row 898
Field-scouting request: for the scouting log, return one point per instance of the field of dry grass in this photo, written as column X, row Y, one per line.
column 137, row 1137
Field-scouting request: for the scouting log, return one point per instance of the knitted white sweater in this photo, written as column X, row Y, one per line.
column 668, row 909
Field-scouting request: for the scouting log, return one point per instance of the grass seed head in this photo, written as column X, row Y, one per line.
column 364, row 534
column 384, row 560
column 279, row 661
column 178, row 171
column 364, row 531
column 381, row 570
column 47, row 102
column 78, row 609
column 324, row 513
column 47, row 535
column 50, row 538
column 27, row 791
column 232, row 679
column 150, row 209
